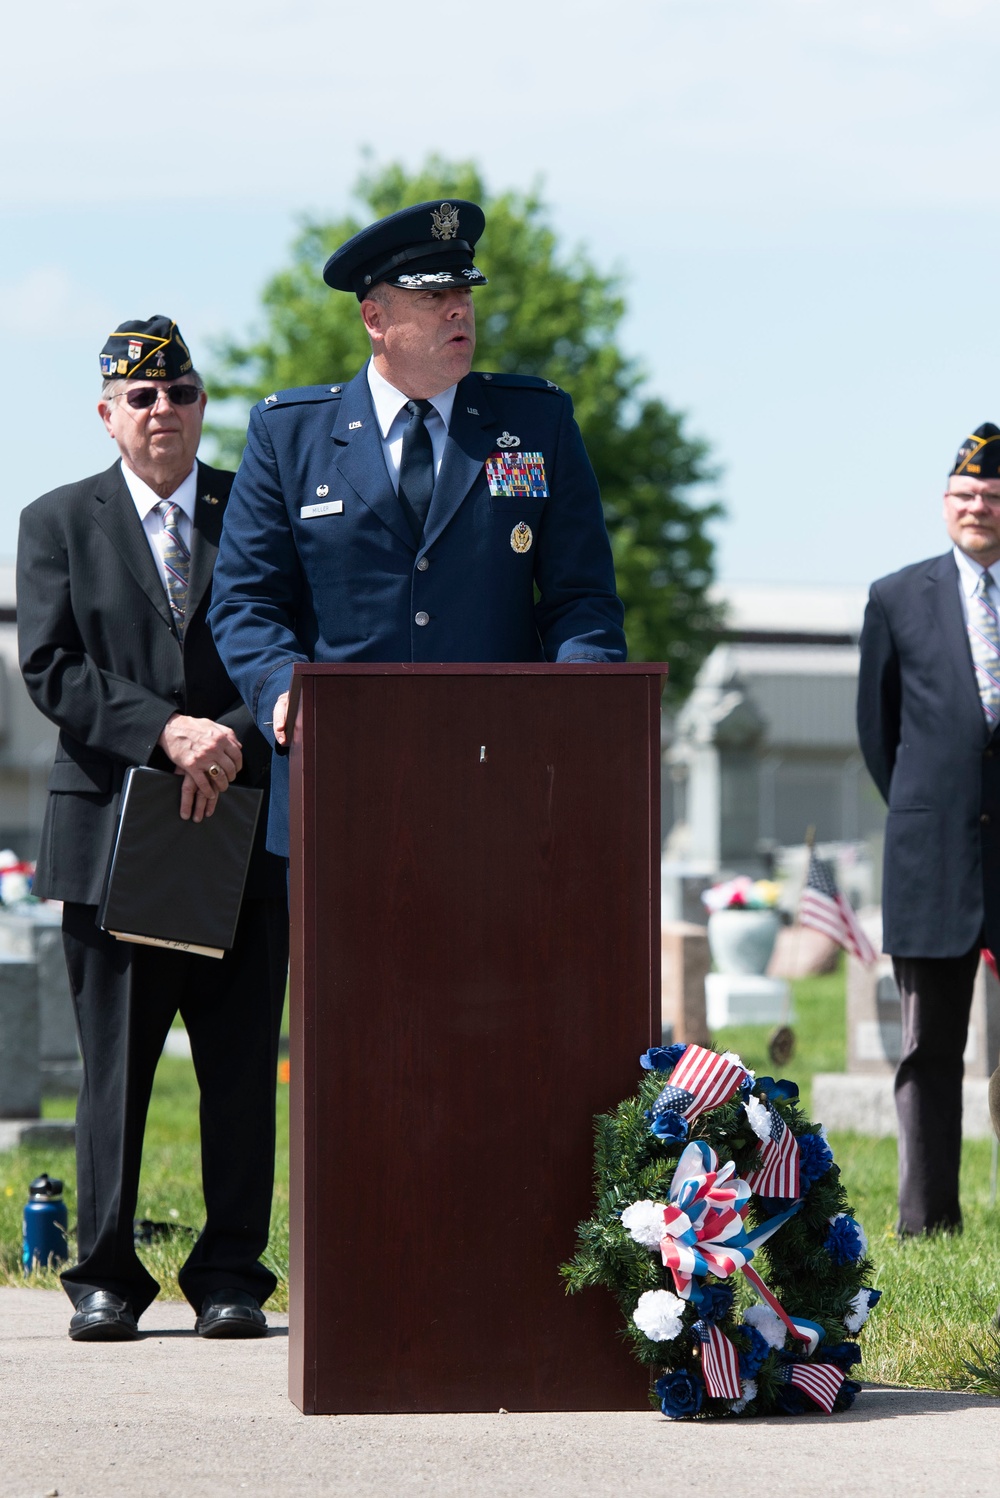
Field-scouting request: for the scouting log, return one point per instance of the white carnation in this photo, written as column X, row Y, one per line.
column 658, row 1314
column 768, row 1323
column 859, row 1312
column 759, row 1116
column 644, row 1222
column 732, row 1056
column 749, row 1386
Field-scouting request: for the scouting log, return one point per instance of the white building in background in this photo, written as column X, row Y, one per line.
column 765, row 746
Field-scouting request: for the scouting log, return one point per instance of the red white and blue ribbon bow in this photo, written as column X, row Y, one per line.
column 704, row 1233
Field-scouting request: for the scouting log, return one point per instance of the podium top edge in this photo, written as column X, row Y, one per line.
column 475, row 668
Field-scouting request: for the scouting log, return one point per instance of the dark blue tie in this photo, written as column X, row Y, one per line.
column 416, row 466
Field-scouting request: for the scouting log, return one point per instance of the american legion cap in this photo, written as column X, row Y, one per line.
column 979, row 454
column 428, row 245
column 150, row 349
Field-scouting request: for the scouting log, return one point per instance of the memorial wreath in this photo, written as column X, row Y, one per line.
column 724, row 1232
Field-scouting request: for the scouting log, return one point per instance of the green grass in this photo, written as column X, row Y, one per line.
column 938, row 1296
column 169, row 1187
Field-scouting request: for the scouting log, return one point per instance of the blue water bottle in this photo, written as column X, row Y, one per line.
column 45, row 1225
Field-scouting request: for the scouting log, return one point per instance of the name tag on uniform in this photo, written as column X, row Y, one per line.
column 516, row 475
column 329, row 507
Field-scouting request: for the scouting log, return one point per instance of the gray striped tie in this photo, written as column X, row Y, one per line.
column 176, row 561
column 984, row 638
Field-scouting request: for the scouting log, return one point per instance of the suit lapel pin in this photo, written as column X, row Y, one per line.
column 506, row 440
column 210, row 499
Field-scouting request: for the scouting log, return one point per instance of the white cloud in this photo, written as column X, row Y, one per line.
column 45, row 301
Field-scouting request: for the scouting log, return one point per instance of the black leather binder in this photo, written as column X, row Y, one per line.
column 171, row 883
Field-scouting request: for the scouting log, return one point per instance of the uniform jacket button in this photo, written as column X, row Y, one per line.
column 984, row 817
column 423, row 565
column 422, row 618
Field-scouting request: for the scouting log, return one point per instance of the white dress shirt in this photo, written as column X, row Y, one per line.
column 185, row 497
column 969, row 573
column 392, row 417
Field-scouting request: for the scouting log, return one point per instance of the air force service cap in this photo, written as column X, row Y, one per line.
column 429, row 245
column 979, row 454
column 150, row 349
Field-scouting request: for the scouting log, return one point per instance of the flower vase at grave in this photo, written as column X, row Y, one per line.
column 741, row 940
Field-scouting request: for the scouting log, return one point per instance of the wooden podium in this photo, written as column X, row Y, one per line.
column 475, row 971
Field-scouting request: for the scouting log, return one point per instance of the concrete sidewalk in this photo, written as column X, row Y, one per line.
column 171, row 1416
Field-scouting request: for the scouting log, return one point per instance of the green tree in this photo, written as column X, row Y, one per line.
column 544, row 313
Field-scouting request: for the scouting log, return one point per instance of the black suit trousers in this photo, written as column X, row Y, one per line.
column 126, row 996
column 936, row 998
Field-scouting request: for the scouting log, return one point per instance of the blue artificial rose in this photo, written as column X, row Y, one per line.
column 844, row 1355
column 679, row 1395
column 670, row 1127
column 787, row 1091
column 846, row 1395
column 843, row 1242
column 815, row 1159
column 790, row 1400
column 661, row 1057
column 714, row 1301
column 752, row 1359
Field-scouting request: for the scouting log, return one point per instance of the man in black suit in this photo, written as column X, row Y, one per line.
column 113, row 585
column 928, row 709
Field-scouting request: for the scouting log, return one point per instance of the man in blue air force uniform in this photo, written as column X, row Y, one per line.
column 418, row 513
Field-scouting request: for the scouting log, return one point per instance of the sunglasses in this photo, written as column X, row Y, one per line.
column 146, row 395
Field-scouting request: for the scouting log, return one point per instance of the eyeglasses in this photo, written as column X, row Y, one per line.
column 968, row 497
column 147, row 395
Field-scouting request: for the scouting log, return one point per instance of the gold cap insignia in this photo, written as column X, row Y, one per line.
column 444, row 222
column 521, row 537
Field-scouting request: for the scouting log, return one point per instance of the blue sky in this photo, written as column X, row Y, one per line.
column 801, row 196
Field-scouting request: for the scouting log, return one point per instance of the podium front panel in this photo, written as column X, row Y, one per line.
column 475, row 971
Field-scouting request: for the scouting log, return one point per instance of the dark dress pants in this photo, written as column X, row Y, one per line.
column 936, row 997
column 126, row 996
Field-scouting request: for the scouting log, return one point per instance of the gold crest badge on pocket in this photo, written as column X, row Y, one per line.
column 521, row 537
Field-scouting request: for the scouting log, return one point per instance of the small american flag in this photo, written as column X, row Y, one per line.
column 719, row 1362
column 825, row 909
column 710, row 1079
column 821, row 1381
column 779, row 1174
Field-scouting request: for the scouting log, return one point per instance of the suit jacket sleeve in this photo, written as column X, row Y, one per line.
column 878, row 695
column 256, row 583
column 106, row 712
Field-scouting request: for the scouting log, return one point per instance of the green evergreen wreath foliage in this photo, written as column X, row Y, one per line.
column 815, row 1264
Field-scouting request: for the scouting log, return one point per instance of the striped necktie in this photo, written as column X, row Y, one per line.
column 176, row 560
column 984, row 638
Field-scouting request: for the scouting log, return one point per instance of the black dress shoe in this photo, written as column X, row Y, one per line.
column 230, row 1313
column 103, row 1317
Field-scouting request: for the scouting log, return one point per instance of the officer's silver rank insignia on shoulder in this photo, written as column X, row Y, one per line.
column 444, row 222
column 506, row 440
column 514, row 475
column 521, row 537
